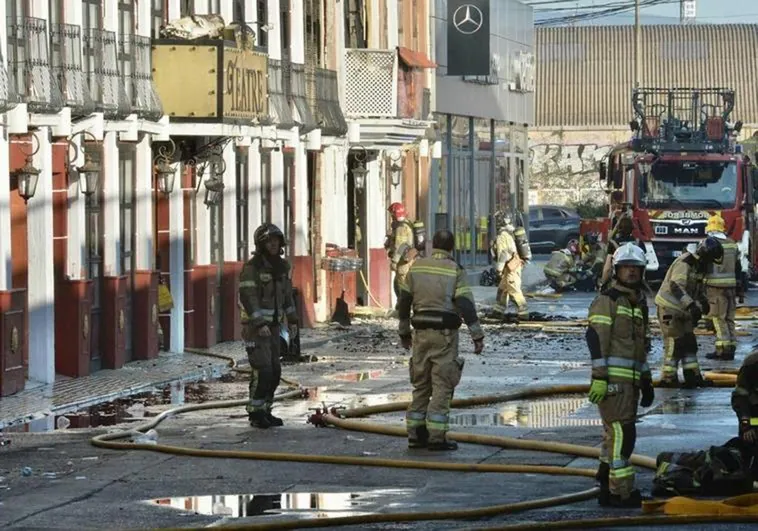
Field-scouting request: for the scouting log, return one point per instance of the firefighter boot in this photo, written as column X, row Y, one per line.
column 693, row 380
column 444, row 446
column 634, row 501
column 258, row 419
column 272, row 420
column 421, row 439
column 729, row 353
column 602, row 477
column 715, row 355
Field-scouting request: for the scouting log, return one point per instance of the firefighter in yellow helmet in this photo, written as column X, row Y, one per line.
column 508, row 264
column 723, row 283
column 618, row 321
column 681, row 303
column 437, row 292
column 265, row 294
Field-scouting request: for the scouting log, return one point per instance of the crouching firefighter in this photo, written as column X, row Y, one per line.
column 618, row 320
column 436, row 289
column 681, row 304
column 265, row 294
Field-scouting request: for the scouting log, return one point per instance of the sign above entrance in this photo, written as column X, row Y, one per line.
column 245, row 84
column 468, row 37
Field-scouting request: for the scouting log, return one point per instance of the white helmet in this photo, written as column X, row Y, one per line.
column 629, row 254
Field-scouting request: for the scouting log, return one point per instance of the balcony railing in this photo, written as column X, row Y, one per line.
column 370, row 83
column 324, row 99
column 298, row 96
column 8, row 97
column 66, row 55
column 107, row 87
column 30, row 70
column 278, row 83
column 143, row 97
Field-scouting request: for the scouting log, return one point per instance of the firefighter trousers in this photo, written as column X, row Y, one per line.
column 510, row 288
column 723, row 303
column 263, row 355
column 561, row 282
column 435, row 370
column 679, row 345
column 400, row 273
column 618, row 410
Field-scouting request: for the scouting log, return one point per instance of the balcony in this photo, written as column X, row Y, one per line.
column 8, row 98
column 66, row 55
column 143, row 98
column 299, row 98
column 31, row 74
column 324, row 99
column 106, row 85
column 278, row 92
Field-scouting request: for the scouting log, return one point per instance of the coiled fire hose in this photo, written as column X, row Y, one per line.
column 342, row 419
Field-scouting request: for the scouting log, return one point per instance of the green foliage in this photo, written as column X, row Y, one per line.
column 589, row 208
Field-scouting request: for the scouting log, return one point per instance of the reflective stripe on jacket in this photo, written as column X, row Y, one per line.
column 682, row 284
column 724, row 275
column 264, row 296
column 618, row 320
column 559, row 264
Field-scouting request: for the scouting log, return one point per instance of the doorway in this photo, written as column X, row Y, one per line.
column 127, row 176
column 217, row 255
column 94, row 245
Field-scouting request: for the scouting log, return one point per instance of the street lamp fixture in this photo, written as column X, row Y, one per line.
column 164, row 173
column 28, row 176
column 89, row 172
column 396, row 169
column 359, row 170
column 214, row 187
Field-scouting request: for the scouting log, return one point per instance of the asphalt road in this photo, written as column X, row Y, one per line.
column 76, row 486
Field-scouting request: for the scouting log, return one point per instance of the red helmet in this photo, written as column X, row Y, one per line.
column 573, row 246
column 397, row 210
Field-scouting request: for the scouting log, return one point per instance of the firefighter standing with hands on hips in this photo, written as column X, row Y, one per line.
column 681, row 304
column 618, row 320
column 265, row 294
column 509, row 264
column 723, row 284
column 400, row 245
column 437, row 292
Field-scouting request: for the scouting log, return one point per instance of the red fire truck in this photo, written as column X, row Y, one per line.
column 681, row 166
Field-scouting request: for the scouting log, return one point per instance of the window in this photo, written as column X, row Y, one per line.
column 92, row 15
column 158, row 18
column 534, row 214
column 243, row 217
column 213, row 7
column 55, row 9
column 284, row 24
column 186, row 8
column 239, row 11
column 312, row 32
column 125, row 31
column 266, row 186
column 261, row 38
column 690, row 184
column 551, row 213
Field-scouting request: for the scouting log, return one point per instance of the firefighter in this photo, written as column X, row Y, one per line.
column 745, row 399
column 437, row 291
column 722, row 283
column 593, row 257
column 400, row 245
column 508, row 265
column 681, row 303
column 265, row 294
column 621, row 234
column 618, row 319
column 561, row 269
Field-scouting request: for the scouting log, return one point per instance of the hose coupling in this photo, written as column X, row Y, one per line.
column 317, row 418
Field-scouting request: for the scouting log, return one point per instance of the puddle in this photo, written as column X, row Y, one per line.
column 692, row 405
column 305, row 504
column 549, row 413
column 357, row 376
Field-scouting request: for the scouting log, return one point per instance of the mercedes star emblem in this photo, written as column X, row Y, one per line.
column 468, row 19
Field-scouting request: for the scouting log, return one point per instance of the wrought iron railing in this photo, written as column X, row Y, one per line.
column 143, row 97
column 107, row 87
column 370, row 83
column 8, row 97
column 66, row 59
column 298, row 97
column 279, row 107
column 30, row 71
column 323, row 96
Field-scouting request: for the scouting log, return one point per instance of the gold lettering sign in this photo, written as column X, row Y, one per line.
column 245, row 84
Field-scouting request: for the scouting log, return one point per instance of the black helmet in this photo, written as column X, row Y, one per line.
column 266, row 231
column 710, row 251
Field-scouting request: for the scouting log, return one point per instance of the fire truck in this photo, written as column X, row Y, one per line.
column 681, row 166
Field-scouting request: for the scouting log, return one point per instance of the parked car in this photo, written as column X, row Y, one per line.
column 551, row 227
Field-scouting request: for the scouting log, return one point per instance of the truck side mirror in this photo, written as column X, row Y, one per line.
column 603, row 170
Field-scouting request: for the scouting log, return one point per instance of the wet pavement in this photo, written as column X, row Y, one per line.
column 59, row 481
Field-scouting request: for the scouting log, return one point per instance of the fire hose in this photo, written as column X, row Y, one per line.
column 344, row 419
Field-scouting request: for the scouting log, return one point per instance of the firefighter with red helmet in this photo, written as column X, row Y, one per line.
column 400, row 245
column 560, row 270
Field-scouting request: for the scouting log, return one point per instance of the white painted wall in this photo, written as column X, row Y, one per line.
column 41, row 284
column 144, row 225
column 202, row 225
column 230, row 203
column 277, row 189
column 376, row 219
column 111, row 183
column 255, row 215
column 174, row 9
column 274, row 35
column 302, row 214
column 77, row 227
column 176, row 261
column 392, row 24
column 297, row 33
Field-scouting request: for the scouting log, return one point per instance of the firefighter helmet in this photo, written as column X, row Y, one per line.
column 573, row 246
column 504, row 221
column 715, row 224
column 629, row 254
column 397, row 210
column 710, row 251
column 265, row 232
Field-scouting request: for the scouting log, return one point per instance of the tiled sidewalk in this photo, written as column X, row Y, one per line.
column 69, row 395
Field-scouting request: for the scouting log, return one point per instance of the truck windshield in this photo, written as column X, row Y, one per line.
column 689, row 184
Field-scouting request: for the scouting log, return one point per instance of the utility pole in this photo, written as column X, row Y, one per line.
column 637, row 45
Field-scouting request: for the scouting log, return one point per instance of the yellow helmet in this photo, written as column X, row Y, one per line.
column 715, row 224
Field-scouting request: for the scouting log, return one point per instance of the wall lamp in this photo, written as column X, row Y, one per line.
column 214, row 187
column 28, row 176
column 396, row 169
column 359, row 170
column 164, row 173
column 89, row 173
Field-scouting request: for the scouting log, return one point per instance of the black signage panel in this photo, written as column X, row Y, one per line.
column 468, row 37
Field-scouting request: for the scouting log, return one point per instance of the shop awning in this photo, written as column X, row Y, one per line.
column 415, row 59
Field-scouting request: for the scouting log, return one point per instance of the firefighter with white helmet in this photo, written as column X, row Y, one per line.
column 618, row 322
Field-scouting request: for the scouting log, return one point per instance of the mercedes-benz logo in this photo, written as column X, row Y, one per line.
column 468, row 19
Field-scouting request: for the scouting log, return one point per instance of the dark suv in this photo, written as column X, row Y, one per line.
column 551, row 227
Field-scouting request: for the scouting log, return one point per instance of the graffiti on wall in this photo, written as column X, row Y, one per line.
column 552, row 159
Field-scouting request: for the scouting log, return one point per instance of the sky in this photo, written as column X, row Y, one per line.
column 708, row 11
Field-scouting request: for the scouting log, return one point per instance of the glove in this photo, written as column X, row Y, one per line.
column 695, row 312
column 598, row 390
column 478, row 346
column 648, row 393
column 705, row 305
